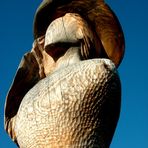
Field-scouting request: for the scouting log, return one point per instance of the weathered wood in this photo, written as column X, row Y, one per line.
column 71, row 30
column 99, row 16
column 77, row 106
column 61, row 96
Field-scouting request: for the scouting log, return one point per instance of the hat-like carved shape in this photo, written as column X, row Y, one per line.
column 99, row 16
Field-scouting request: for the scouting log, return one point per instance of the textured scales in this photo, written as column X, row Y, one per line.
column 73, row 107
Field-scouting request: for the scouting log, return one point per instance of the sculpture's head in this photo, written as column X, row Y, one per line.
column 104, row 24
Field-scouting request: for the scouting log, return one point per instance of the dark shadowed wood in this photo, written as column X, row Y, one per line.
column 98, row 15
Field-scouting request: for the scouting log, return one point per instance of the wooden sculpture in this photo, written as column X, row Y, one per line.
column 67, row 92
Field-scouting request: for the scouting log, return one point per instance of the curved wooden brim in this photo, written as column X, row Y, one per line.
column 98, row 15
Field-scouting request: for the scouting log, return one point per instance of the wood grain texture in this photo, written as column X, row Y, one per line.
column 99, row 16
column 77, row 106
column 71, row 31
column 67, row 92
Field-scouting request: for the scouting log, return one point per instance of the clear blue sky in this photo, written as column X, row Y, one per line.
column 16, row 18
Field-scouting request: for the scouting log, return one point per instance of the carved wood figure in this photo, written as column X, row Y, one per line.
column 67, row 92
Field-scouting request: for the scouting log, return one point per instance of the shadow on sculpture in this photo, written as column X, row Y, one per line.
column 67, row 92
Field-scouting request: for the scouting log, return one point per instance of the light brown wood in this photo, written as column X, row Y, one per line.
column 66, row 92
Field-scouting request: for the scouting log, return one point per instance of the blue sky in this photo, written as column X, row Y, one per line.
column 16, row 38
